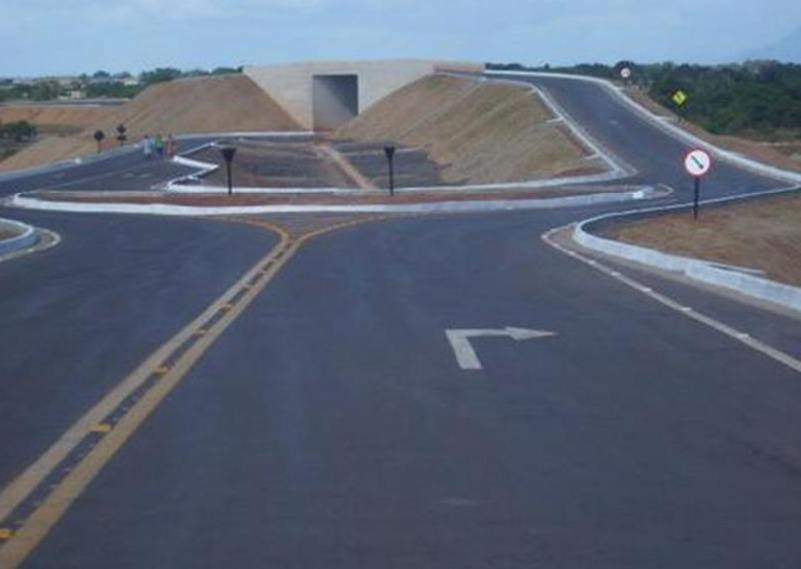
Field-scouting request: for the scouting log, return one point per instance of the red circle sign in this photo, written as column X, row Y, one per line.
column 697, row 162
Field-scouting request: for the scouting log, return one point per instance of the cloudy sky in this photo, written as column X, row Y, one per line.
column 72, row 36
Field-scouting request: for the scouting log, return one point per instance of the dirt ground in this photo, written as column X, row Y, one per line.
column 785, row 154
column 197, row 105
column 315, row 198
column 478, row 133
column 320, row 164
column 57, row 119
column 764, row 235
column 277, row 165
column 6, row 234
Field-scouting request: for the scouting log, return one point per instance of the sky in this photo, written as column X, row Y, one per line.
column 56, row 37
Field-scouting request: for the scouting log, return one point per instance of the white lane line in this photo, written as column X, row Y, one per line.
column 733, row 333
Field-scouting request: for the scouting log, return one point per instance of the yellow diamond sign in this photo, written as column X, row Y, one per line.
column 679, row 97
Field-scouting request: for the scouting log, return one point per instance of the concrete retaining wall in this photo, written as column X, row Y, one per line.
column 292, row 86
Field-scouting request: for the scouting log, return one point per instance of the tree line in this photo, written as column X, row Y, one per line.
column 101, row 84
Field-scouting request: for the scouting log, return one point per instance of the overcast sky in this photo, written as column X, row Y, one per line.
column 71, row 36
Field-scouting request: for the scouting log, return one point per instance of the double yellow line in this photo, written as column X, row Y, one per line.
column 113, row 422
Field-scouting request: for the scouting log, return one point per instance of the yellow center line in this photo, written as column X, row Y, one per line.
column 18, row 545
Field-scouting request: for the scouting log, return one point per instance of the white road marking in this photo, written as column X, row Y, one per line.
column 466, row 355
column 738, row 335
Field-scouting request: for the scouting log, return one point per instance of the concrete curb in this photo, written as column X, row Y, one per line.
column 26, row 202
column 670, row 128
column 736, row 279
column 26, row 238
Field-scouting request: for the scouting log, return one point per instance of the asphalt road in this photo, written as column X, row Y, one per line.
column 330, row 425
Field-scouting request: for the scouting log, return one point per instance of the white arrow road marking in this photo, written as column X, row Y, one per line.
column 465, row 353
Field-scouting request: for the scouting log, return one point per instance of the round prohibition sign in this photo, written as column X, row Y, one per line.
column 697, row 162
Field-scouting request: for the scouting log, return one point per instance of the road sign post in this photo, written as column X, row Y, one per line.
column 390, row 152
column 697, row 163
column 121, row 136
column 625, row 73
column 228, row 153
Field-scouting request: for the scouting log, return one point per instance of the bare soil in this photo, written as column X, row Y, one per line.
column 197, row 105
column 321, row 165
column 764, row 235
column 56, row 118
column 782, row 154
column 6, row 234
column 477, row 132
column 317, row 198
column 277, row 165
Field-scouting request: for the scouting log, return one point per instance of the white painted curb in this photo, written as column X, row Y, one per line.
column 26, row 238
column 708, row 272
column 25, row 202
column 669, row 128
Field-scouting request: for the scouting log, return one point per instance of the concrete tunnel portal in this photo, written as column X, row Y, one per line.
column 335, row 100
column 325, row 94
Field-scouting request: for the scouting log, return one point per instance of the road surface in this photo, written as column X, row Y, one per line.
column 329, row 424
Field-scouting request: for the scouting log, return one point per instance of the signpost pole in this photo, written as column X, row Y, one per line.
column 390, row 152
column 228, row 153
column 697, row 163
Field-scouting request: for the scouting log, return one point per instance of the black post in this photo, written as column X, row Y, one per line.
column 390, row 152
column 228, row 154
column 697, row 196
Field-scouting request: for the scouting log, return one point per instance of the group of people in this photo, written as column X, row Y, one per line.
column 159, row 146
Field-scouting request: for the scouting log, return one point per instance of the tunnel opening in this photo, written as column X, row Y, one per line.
column 335, row 100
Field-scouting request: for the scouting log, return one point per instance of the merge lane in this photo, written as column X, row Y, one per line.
column 331, row 427
column 658, row 157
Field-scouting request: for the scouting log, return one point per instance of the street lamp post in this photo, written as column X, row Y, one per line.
column 390, row 152
column 99, row 136
column 228, row 155
column 121, row 136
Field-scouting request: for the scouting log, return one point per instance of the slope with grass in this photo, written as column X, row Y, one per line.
column 198, row 105
column 479, row 132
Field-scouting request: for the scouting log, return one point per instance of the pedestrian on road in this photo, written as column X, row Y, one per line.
column 159, row 145
column 172, row 146
column 147, row 146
